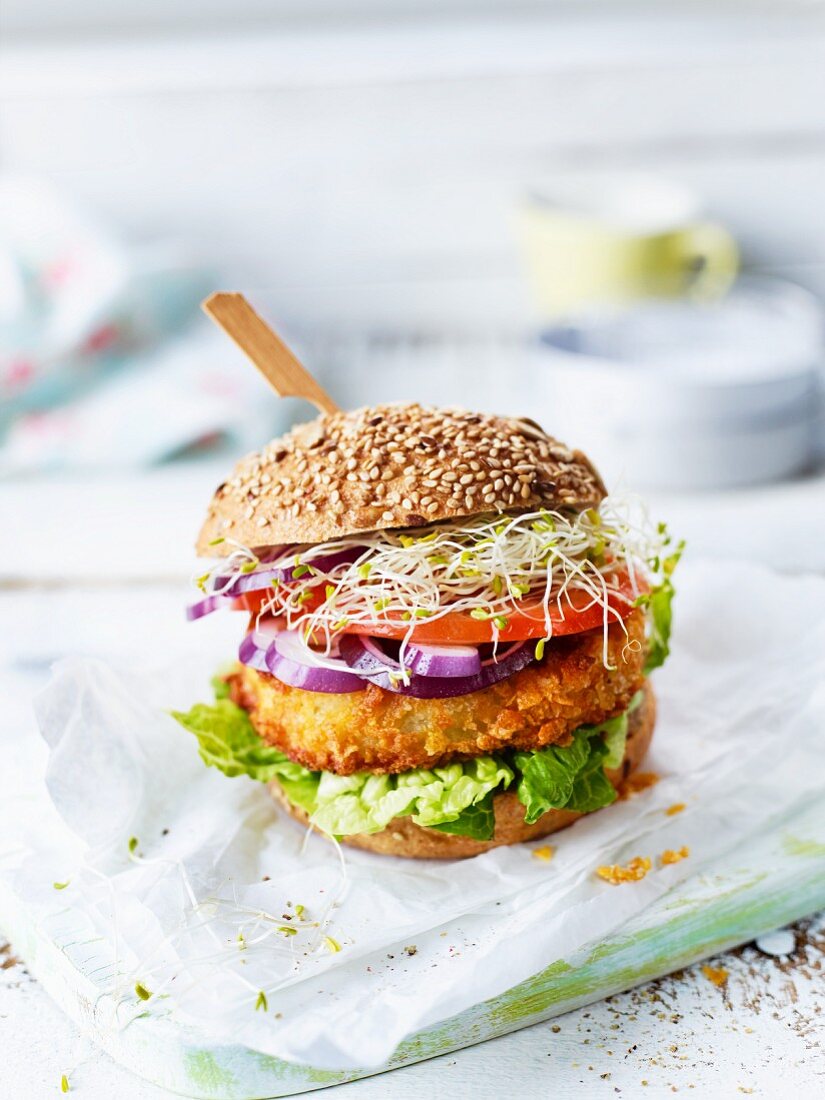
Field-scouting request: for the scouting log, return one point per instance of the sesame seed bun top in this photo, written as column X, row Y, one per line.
column 391, row 466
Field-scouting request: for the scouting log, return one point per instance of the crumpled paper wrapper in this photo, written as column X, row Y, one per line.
column 203, row 912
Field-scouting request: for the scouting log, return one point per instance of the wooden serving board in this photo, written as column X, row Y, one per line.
column 778, row 879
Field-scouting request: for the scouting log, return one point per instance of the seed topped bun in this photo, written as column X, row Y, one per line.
column 387, row 466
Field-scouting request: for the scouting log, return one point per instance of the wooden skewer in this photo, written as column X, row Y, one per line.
column 287, row 376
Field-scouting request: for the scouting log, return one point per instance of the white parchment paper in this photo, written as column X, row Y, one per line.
column 196, row 913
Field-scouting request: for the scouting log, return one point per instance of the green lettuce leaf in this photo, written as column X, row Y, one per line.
column 591, row 791
column 477, row 821
column 228, row 741
column 573, row 777
column 591, row 787
column 614, row 735
column 366, row 803
column 660, row 613
column 302, row 792
column 548, row 775
column 220, row 687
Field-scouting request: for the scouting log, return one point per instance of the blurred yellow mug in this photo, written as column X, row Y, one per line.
column 625, row 237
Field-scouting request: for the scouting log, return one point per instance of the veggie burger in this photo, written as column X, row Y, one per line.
column 449, row 629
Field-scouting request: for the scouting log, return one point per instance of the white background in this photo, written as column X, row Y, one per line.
column 359, row 163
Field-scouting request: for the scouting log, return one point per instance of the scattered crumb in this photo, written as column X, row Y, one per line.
column 671, row 856
column 411, row 950
column 7, row 959
column 545, row 853
column 555, row 1029
column 634, row 871
column 639, row 781
column 676, row 808
column 716, row 974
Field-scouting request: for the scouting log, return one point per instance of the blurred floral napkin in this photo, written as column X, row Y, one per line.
column 101, row 361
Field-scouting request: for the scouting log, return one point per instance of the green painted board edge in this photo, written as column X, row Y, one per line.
column 779, row 880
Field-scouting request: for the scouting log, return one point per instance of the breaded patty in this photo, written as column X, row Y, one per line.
column 381, row 731
column 402, row 837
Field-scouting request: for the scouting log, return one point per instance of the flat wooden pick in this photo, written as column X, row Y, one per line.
column 287, row 376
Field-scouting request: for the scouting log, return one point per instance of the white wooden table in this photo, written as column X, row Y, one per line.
column 74, row 547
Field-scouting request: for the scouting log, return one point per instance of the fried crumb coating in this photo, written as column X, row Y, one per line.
column 381, row 731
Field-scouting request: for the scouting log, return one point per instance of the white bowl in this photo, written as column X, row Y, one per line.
column 678, row 395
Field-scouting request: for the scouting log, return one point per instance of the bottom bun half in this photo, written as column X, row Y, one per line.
column 402, row 837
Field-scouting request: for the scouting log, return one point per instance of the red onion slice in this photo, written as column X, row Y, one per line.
column 263, row 577
column 252, row 650
column 251, row 654
column 366, row 658
column 443, row 660
column 286, row 659
column 206, row 606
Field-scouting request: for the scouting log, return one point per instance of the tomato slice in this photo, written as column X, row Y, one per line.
column 459, row 628
column 252, row 601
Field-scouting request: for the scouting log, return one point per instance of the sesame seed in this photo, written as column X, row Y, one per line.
column 414, row 460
